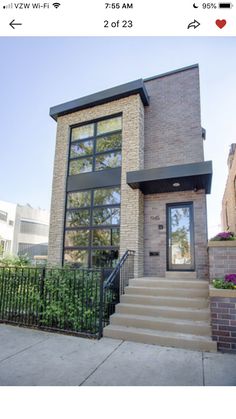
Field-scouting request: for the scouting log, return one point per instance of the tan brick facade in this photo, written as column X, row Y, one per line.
column 132, row 159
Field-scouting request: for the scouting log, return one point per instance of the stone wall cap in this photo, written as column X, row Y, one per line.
column 224, row 293
column 222, row 243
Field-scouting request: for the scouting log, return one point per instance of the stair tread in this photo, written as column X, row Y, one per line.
column 162, row 319
column 161, row 333
column 170, row 308
column 166, row 297
column 162, row 288
column 168, row 280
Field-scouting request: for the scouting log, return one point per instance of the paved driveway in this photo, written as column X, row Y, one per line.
column 35, row 358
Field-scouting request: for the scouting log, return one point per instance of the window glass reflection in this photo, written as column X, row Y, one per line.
column 82, row 132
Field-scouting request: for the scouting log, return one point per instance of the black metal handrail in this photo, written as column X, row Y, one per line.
column 112, row 277
column 113, row 287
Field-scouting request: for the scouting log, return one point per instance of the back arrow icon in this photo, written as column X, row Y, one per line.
column 194, row 24
column 13, row 24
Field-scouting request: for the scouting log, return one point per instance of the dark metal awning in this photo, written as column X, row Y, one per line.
column 184, row 177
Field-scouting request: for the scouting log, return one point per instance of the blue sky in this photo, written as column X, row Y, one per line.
column 37, row 73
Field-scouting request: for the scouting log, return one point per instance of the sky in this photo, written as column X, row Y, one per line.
column 37, row 73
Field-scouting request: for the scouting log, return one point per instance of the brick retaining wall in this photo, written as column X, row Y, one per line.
column 222, row 258
column 223, row 319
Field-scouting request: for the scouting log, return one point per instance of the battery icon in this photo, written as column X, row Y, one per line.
column 225, row 5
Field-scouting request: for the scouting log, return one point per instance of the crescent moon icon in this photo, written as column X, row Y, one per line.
column 195, row 7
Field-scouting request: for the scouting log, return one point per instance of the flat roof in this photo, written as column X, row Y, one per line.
column 108, row 95
column 114, row 93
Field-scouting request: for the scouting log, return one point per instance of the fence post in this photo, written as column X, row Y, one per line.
column 101, row 305
column 42, row 297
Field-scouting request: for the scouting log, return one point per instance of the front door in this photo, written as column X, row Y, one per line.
column 180, row 237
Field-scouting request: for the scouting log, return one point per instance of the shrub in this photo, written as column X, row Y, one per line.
column 14, row 261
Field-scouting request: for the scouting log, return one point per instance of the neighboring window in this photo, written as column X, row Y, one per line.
column 2, row 247
column 11, row 223
column 7, row 246
column 3, row 216
column 32, row 250
column 92, row 227
column 29, row 227
column 96, row 146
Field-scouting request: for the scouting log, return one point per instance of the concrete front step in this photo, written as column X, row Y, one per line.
column 180, row 274
column 172, row 292
column 164, row 311
column 169, row 283
column 158, row 337
column 164, row 301
column 174, row 325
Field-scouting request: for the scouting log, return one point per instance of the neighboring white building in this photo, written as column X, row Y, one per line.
column 23, row 230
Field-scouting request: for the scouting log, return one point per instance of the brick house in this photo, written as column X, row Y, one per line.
column 129, row 173
column 228, row 213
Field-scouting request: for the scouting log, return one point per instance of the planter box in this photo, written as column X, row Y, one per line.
column 222, row 258
column 223, row 318
column 222, row 243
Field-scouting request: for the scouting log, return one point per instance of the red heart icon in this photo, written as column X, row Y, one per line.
column 220, row 23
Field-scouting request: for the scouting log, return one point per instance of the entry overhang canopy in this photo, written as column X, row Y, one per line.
column 184, row 177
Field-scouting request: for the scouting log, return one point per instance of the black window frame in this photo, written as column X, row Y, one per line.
column 91, row 226
column 94, row 138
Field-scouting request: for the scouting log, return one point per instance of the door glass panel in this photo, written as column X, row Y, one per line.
column 180, row 240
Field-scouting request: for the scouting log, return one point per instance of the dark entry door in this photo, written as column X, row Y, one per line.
column 180, row 237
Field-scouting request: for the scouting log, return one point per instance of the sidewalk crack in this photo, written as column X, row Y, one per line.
column 203, row 371
column 101, row 363
column 23, row 350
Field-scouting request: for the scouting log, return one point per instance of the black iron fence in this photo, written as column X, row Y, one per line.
column 77, row 301
column 69, row 300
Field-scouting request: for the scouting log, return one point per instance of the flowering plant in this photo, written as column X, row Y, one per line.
column 230, row 278
column 229, row 282
column 224, row 235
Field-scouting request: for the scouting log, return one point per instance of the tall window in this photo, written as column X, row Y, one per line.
column 96, row 146
column 92, row 230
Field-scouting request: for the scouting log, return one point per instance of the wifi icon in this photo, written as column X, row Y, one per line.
column 56, row 5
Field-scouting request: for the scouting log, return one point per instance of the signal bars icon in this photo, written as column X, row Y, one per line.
column 8, row 6
column 56, row 5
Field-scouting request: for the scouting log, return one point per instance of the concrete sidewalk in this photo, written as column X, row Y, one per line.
column 35, row 358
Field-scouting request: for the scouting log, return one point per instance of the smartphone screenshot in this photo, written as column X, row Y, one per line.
column 117, row 207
